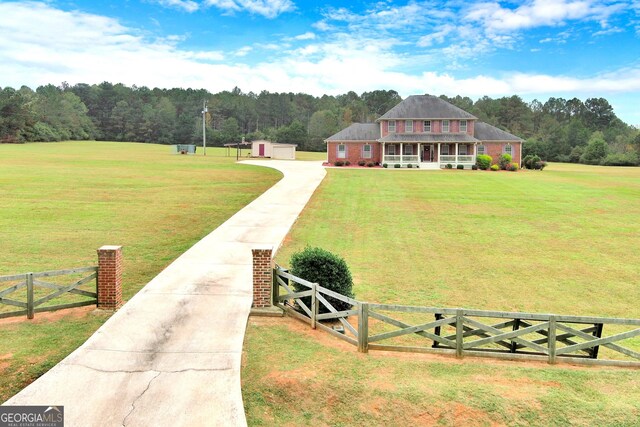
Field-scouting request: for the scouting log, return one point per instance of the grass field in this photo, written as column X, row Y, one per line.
column 562, row 241
column 61, row 201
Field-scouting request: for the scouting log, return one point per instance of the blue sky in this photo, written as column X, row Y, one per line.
column 531, row 48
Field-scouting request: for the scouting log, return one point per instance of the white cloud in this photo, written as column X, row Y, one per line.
column 539, row 13
column 306, row 36
column 266, row 8
column 612, row 30
column 186, row 5
column 243, row 51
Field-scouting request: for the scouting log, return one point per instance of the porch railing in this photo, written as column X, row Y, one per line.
column 401, row 159
column 457, row 159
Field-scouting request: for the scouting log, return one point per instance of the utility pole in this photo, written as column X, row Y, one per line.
column 204, row 127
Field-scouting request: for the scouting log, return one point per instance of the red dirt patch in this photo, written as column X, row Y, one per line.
column 50, row 316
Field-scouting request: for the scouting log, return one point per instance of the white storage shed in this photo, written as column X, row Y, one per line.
column 273, row 150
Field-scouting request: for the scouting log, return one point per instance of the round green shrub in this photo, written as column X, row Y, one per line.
column 320, row 266
column 397, row 166
column 474, row 167
column 361, row 163
column 495, row 167
column 347, row 163
column 504, row 161
column 339, row 163
column 370, row 164
column 409, row 165
column 530, row 161
column 484, row 161
column 449, row 166
column 460, row 167
column 384, row 165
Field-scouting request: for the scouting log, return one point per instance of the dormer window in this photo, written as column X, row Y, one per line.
column 392, row 126
column 427, row 125
column 445, row 126
column 463, row 126
column 408, row 126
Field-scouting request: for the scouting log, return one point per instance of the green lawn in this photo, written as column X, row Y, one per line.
column 61, row 201
column 563, row 241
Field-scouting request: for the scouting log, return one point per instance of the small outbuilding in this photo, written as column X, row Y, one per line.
column 273, row 150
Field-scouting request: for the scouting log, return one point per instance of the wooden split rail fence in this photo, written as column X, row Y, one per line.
column 463, row 332
column 33, row 299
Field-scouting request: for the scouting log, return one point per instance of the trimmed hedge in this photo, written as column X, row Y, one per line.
column 320, row 266
column 484, row 161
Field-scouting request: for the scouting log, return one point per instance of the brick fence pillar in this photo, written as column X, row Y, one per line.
column 262, row 277
column 110, row 277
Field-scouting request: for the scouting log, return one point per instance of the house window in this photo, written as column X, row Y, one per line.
column 508, row 149
column 366, row 151
column 445, row 126
column 408, row 150
column 427, row 125
column 481, row 150
column 463, row 126
column 342, row 151
column 462, row 150
column 445, row 150
column 392, row 126
column 408, row 126
column 391, row 150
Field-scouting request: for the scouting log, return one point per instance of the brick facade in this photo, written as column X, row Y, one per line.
column 110, row 277
column 354, row 152
column 418, row 126
column 262, row 277
column 496, row 149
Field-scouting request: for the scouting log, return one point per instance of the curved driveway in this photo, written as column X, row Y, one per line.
column 172, row 354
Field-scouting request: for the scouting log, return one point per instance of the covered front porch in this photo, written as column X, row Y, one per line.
column 429, row 155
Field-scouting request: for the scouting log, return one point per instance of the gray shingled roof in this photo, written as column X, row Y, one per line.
column 486, row 132
column 358, row 132
column 428, row 137
column 425, row 107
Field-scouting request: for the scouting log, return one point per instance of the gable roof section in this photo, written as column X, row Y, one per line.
column 357, row 132
column 486, row 132
column 426, row 107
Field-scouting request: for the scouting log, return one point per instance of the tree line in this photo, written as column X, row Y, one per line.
column 556, row 130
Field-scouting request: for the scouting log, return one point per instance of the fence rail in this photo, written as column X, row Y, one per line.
column 463, row 332
column 34, row 301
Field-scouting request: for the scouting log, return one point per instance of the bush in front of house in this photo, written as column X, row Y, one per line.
column 330, row 271
column 495, row 167
column 540, row 165
column 361, row 163
column 397, row 166
column 484, row 161
column 449, row 166
column 409, row 165
column 384, row 165
column 530, row 161
column 370, row 164
column 339, row 163
column 460, row 167
column 347, row 163
column 474, row 167
column 513, row 167
column 504, row 161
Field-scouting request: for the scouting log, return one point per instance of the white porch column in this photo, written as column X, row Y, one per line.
column 438, row 155
column 401, row 152
column 382, row 154
column 456, row 154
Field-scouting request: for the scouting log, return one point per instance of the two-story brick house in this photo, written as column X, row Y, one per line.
column 422, row 130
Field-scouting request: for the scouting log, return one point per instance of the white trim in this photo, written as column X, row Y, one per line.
column 367, row 154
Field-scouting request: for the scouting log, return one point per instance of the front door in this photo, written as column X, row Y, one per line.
column 426, row 153
column 261, row 150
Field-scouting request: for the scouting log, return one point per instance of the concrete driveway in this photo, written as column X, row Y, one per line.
column 172, row 354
